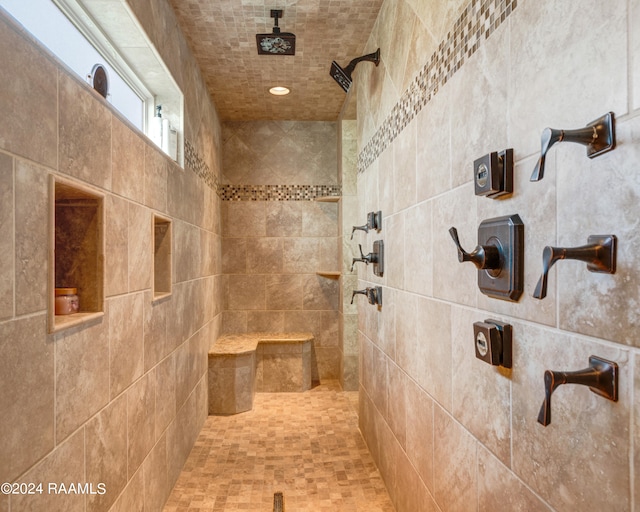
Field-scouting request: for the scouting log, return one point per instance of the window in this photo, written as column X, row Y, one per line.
column 83, row 34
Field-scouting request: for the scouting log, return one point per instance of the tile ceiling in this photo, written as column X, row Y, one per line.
column 222, row 35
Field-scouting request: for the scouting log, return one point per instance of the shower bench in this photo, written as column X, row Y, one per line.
column 242, row 364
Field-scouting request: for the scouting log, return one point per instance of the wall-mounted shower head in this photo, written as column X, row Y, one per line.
column 343, row 76
column 276, row 43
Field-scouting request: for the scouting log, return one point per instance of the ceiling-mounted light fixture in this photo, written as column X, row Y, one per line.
column 279, row 90
column 276, row 43
column 343, row 76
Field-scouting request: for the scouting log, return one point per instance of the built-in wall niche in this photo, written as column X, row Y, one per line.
column 76, row 254
column 161, row 257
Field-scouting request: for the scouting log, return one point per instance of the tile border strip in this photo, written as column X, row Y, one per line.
column 277, row 192
column 477, row 22
column 193, row 161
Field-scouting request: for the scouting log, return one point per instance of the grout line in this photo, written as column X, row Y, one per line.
column 630, row 75
column 634, row 367
column 13, row 236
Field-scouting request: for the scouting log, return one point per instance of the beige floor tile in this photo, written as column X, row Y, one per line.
column 305, row 445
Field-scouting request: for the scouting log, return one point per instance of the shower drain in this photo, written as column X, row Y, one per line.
column 278, row 502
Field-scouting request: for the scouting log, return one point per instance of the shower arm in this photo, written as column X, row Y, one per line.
column 275, row 16
column 372, row 57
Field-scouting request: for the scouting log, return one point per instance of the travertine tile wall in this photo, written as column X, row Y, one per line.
column 449, row 432
column 349, row 217
column 120, row 400
column 275, row 239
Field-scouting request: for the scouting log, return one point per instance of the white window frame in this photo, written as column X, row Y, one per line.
column 111, row 27
column 99, row 40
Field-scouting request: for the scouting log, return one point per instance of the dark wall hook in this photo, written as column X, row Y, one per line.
column 601, row 377
column 599, row 254
column 598, row 136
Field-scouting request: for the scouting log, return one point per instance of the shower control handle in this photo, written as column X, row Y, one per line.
column 369, row 258
column 601, row 376
column 599, row 254
column 364, row 228
column 598, row 137
column 374, row 221
column 483, row 256
column 359, row 292
column 373, row 294
column 551, row 136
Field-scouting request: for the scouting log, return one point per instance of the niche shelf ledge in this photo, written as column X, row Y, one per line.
column 329, row 274
column 66, row 321
column 328, row 199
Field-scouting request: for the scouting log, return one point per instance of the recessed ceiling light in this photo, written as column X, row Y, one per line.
column 279, row 91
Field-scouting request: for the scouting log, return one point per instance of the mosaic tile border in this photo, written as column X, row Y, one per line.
column 477, row 22
column 277, row 192
column 193, row 161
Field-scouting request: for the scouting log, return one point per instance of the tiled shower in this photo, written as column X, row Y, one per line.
column 121, row 397
column 457, row 81
column 280, row 243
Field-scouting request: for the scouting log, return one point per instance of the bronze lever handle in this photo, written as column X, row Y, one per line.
column 359, row 292
column 600, row 256
column 598, row 136
column 369, row 258
column 364, row 228
column 601, row 377
column 374, row 295
column 550, row 136
column 483, row 256
column 374, row 221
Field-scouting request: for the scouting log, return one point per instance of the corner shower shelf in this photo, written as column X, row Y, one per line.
column 329, row 274
column 328, row 199
column 76, row 250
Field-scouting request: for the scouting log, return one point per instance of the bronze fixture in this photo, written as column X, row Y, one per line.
column 374, row 295
column 276, row 43
column 499, row 256
column 100, row 80
column 343, row 76
column 601, row 377
column 493, row 342
column 374, row 221
column 599, row 137
column 599, row 254
column 278, row 502
column 493, row 174
column 483, row 256
column 376, row 258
